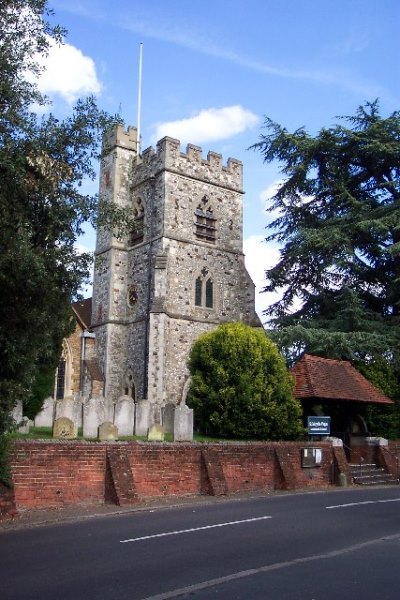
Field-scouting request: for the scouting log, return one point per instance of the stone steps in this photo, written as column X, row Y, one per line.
column 371, row 474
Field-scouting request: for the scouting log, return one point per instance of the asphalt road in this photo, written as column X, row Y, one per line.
column 316, row 546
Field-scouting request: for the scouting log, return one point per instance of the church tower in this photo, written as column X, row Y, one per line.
column 179, row 273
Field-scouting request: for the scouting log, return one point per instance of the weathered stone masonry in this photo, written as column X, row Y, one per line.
column 179, row 274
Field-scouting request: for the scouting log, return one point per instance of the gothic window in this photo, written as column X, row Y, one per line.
column 209, row 293
column 204, row 222
column 137, row 233
column 204, row 290
column 63, row 378
column 60, row 384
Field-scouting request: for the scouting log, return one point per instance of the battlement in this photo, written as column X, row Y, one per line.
column 168, row 155
column 117, row 136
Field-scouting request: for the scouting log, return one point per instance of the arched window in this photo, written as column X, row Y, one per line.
column 63, row 382
column 60, row 382
column 205, row 222
column 137, row 233
column 209, row 293
column 204, row 290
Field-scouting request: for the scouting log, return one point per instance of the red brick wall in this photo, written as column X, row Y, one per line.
column 7, row 501
column 51, row 474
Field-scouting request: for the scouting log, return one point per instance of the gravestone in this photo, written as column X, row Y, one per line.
column 24, row 425
column 65, row 428
column 108, row 432
column 70, row 408
column 45, row 418
column 124, row 415
column 168, row 417
column 183, row 424
column 142, row 417
column 93, row 416
column 156, row 433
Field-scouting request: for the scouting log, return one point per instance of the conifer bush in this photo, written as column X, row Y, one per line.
column 241, row 387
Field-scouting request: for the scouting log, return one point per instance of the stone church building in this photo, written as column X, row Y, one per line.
column 180, row 271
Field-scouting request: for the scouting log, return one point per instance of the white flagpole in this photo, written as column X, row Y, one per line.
column 139, row 97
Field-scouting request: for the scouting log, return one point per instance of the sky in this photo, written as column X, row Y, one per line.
column 213, row 70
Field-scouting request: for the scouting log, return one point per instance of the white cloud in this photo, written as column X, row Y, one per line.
column 258, row 258
column 208, row 125
column 68, row 73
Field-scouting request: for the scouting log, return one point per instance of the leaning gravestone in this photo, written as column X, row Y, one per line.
column 108, row 432
column 65, row 429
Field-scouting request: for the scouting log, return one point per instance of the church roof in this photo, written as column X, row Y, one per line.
column 83, row 310
column 327, row 379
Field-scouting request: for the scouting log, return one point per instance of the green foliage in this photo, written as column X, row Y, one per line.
column 383, row 421
column 41, row 388
column 241, row 387
column 44, row 162
column 5, row 475
column 339, row 215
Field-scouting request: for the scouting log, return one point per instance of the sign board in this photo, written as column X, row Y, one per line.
column 319, row 425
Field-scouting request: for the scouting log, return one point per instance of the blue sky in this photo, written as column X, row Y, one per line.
column 213, row 69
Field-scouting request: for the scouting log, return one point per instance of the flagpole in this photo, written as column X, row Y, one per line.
column 139, row 115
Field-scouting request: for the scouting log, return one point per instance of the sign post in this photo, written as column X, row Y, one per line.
column 319, row 425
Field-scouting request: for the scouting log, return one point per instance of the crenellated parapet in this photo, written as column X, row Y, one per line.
column 168, row 156
column 117, row 136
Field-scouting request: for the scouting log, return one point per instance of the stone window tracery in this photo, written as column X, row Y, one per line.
column 63, row 380
column 205, row 222
column 137, row 233
column 204, row 290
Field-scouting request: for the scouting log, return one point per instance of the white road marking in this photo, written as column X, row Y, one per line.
column 365, row 502
column 220, row 581
column 179, row 532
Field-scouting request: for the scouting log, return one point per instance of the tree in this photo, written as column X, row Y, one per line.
column 339, row 224
column 43, row 164
column 383, row 420
column 241, row 387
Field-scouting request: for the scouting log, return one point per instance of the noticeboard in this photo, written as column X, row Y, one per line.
column 319, row 425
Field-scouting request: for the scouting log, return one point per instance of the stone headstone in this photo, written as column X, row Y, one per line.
column 70, row 408
column 24, row 425
column 183, row 424
column 124, row 415
column 45, row 418
column 156, row 433
column 93, row 416
column 168, row 417
column 108, row 432
column 142, row 417
column 65, row 428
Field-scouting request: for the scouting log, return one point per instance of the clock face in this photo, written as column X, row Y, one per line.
column 132, row 296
